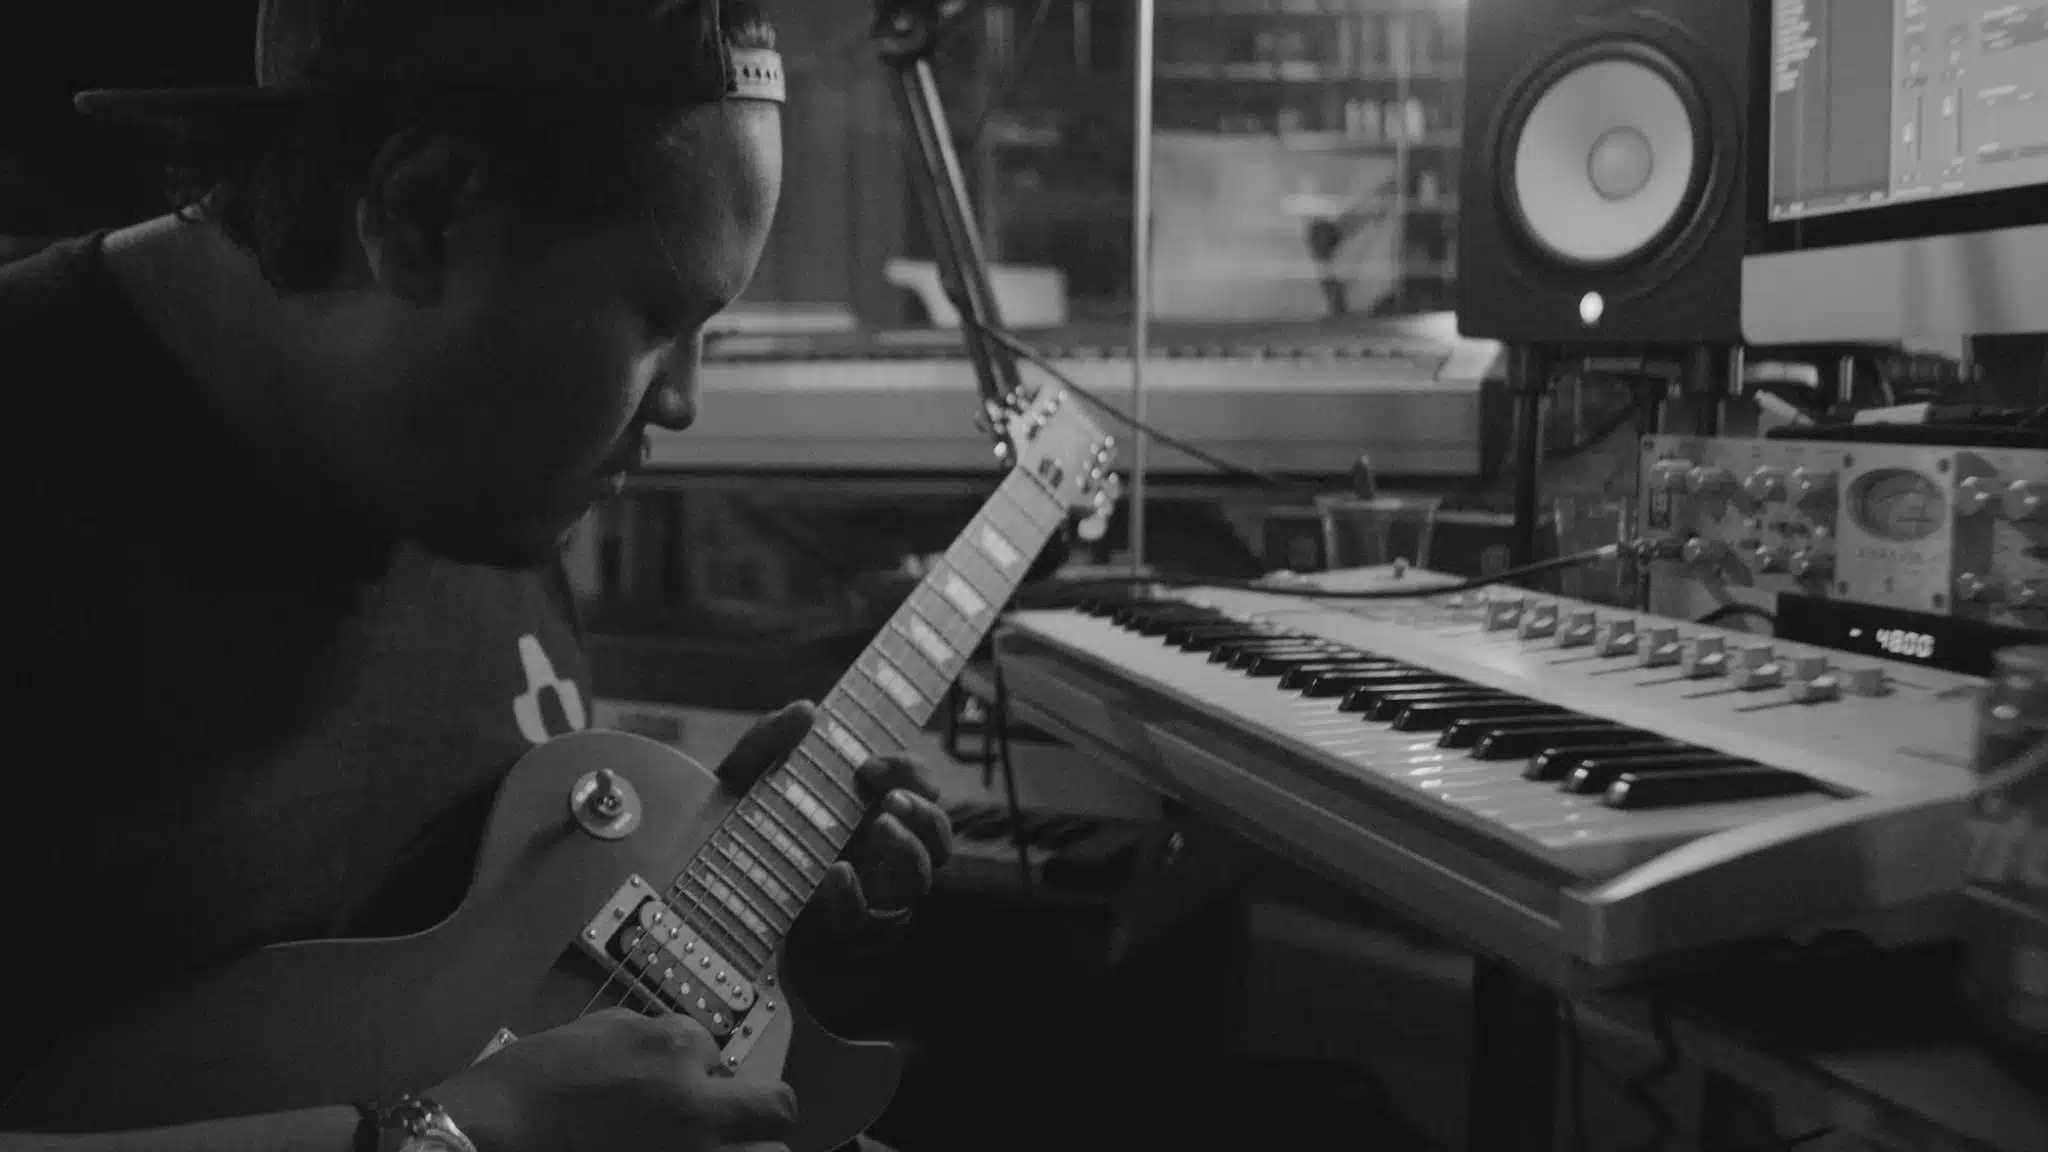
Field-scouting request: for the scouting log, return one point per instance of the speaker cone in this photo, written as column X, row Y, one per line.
column 1605, row 158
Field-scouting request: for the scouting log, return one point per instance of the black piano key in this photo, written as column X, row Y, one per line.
column 1158, row 627
column 1591, row 776
column 1521, row 741
column 1247, row 657
column 1709, row 786
column 1208, row 641
column 1435, row 716
column 1230, row 650
column 1556, row 761
column 1390, row 705
column 1469, row 731
column 1281, row 663
column 1303, row 676
column 1365, row 697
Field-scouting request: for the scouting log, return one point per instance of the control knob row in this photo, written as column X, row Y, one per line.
column 2020, row 500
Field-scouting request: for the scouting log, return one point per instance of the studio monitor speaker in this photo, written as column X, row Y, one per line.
column 1603, row 197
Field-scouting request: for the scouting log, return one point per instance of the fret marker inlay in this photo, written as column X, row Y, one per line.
column 800, row 798
column 846, row 744
column 999, row 550
column 906, row 695
column 965, row 598
column 928, row 642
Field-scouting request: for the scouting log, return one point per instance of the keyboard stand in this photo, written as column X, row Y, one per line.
column 1513, row 1084
column 1512, row 1103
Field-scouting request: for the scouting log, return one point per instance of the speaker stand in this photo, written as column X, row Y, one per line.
column 1529, row 369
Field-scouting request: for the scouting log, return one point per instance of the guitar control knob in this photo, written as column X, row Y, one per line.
column 1973, row 495
column 1808, row 485
column 1670, row 475
column 1867, row 681
column 1710, row 481
column 2024, row 500
column 1578, row 629
column 1703, row 656
column 1617, row 638
column 1660, row 648
column 1539, row 623
column 1765, row 485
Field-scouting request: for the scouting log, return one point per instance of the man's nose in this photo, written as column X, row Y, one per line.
column 672, row 398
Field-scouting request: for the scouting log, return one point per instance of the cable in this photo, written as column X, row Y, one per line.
column 1575, row 560
column 1000, row 94
column 1228, row 467
column 999, row 724
column 1731, row 611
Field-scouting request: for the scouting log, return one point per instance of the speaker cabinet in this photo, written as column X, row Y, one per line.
column 1604, row 171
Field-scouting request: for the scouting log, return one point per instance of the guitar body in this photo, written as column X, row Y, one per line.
column 313, row 1024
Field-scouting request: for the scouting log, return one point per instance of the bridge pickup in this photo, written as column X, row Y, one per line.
column 639, row 932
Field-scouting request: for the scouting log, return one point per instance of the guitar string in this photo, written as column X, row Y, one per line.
column 632, row 986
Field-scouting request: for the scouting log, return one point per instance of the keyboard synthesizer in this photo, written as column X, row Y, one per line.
column 1591, row 793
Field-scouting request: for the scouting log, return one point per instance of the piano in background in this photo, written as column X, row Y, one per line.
column 1293, row 398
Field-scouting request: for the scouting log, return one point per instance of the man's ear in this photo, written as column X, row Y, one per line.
column 421, row 187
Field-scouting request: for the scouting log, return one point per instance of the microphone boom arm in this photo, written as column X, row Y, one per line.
column 906, row 35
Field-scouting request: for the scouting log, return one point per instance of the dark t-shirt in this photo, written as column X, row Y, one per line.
column 255, row 719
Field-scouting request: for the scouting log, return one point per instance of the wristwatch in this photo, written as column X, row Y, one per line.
column 410, row 1124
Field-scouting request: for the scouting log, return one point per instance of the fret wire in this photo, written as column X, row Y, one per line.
column 844, row 820
column 795, row 836
column 976, row 577
column 1011, row 520
column 875, row 674
column 914, row 673
column 874, row 713
column 1042, row 506
column 798, row 826
column 734, row 845
column 877, row 712
column 963, row 561
column 711, row 917
column 987, row 525
column 757, row 950
column 1007, row 504
column 981, row 573
column 772, row 861
column 944, row 619
column 771, row 914
column 900, row 723
column 821, row 844
column 840, row 788
column 858, row 716
column 920, row 658
column 915, row 667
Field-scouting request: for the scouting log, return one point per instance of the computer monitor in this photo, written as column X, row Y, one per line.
column 1900, row 170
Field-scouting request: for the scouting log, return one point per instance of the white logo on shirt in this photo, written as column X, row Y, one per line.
column 541, row 677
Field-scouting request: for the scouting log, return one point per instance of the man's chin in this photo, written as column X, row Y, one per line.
column 520, row 548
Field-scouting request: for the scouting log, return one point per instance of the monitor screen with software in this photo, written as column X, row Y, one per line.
column 1900, row 162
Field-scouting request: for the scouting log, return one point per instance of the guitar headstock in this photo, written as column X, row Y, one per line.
column 1050, row 435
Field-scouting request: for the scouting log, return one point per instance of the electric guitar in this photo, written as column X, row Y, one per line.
column 614, row 870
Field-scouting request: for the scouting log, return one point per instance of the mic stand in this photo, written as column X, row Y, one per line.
column 1529, row 368
column 906, row 34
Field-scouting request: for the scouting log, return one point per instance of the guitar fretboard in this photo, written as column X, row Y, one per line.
column 765, row 860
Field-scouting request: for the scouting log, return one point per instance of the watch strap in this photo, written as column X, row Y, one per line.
column 407, row 1122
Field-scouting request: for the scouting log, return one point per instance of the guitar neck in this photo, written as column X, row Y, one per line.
column 762, row 865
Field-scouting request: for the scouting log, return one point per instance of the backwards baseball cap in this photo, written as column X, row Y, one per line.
column 672, row 52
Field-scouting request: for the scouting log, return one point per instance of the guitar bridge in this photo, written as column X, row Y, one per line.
column 640, row 936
